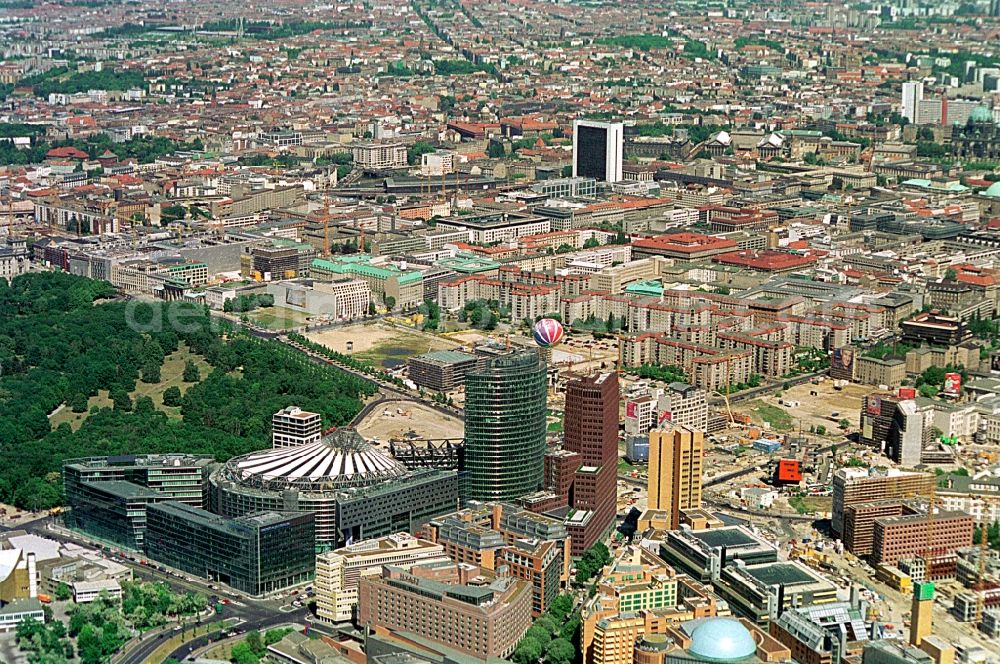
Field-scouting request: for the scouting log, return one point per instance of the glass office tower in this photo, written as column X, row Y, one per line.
column 505, row 427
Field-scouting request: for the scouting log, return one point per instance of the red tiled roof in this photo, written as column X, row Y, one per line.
column 688, row 243
column 766, row 261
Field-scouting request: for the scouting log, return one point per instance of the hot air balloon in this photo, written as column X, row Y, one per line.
column 548, row 332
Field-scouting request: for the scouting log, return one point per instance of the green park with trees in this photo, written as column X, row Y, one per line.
column 63, row 339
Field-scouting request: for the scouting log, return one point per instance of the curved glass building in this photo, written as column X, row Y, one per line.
column 505, row 427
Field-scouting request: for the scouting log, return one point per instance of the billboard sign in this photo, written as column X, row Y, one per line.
column 630, row 409
column 952, row 384
column 995, row 363
column 874, row 405
column 843, row 360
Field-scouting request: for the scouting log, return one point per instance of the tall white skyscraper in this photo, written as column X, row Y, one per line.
column 597, row 150
column 913, row 93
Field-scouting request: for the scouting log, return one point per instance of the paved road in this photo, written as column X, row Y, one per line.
column 259, row 620
column 260, row 613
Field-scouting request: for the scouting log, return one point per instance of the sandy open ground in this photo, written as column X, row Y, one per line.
column 819, row 409
column 365, row 336
column 387, row 423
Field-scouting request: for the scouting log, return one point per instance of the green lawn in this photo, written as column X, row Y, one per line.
column 171, row 374
column 776, row 416
column 811, row 504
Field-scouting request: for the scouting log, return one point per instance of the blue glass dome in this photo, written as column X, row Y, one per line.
column 722, row 640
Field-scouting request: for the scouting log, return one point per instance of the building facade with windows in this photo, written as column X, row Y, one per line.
column 257, row 554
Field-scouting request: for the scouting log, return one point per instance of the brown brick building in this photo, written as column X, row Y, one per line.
column 591, row 430
column 898, row 537
column 859, row 485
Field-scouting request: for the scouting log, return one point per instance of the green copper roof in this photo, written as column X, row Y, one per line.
column 355, row 264
column 649, row 287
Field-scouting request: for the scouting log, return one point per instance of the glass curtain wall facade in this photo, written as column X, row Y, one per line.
column 505, row 427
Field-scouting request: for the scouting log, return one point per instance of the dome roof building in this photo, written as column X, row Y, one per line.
column 355, row 490
column 341, row 460
column 721, row 640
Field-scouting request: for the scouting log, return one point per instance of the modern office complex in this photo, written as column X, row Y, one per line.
column 675, row 467
column 822, row 634
column 484, row 619
column 505, row 405
column 591, row 431
column 293, row 426
column 703, row 553
column 257, row 554
column 113, row 511
column 180, row 477
column 861, row 485
column 597, row 150
column 441, row 370
column 339, row 573
column 762, row 592
column 356, row 491
column 531, row 547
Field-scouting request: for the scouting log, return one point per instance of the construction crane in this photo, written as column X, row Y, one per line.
column 929, row 550
column 981, row 590
column 326, row 224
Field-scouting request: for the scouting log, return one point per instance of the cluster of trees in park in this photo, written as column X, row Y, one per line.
column 269, row 30
column 250, row 302
column 144, row 149
column 432, row 314
column 347, row 361
column 252, row 649
column 669, row 374
column 484, row 314
column 61, row 80
column 60, row 344
column 461, row 67
column 101, row 627
column 551, row 637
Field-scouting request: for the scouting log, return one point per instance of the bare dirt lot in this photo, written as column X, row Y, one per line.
column 819, row 409
column 394, row 420
column 381, row 344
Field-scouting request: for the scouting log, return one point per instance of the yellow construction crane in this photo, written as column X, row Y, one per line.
column 981, row 590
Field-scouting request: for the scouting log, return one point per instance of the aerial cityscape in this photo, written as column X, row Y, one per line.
column 480, row 332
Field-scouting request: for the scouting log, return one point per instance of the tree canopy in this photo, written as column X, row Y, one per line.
column 60, row 343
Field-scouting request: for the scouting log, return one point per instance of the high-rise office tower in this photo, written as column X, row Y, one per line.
column 675, row 466
column 597, row 149
column 921, row 612
column 913, row 94
column 591, row 430
column 505, row 427
column 293, row 426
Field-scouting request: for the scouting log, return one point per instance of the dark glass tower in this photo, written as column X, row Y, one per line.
column 505, row 427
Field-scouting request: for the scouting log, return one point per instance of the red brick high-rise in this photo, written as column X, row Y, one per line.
column 591, row 430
